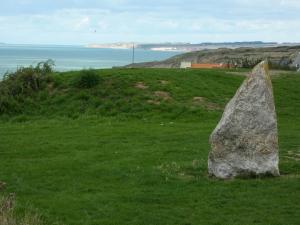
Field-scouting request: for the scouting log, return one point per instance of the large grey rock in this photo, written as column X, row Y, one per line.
column 245, row 141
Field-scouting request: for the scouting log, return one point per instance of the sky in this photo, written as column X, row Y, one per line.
column 152, row 21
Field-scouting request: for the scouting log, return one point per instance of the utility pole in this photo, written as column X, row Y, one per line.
column 133, row 52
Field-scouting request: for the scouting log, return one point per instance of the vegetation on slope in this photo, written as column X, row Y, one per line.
column 132, row 149
column 123, row 92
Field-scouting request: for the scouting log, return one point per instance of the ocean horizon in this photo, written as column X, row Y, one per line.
column 73, row 57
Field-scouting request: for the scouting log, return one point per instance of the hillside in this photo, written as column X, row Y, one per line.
column 282, row 56
column 123, row 92
column 130, row 146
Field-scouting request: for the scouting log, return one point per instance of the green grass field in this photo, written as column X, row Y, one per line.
column 133, row 150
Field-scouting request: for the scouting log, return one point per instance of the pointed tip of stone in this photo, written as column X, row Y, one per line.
column 264, row 65
column 262, row 69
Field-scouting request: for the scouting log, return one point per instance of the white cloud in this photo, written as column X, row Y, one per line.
column 102, row 25
column 242, row 20
column 82, row 23
column 290, row 3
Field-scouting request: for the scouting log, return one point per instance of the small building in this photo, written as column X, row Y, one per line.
column 185, row 65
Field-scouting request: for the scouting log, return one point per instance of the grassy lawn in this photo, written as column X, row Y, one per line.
column 120, row 153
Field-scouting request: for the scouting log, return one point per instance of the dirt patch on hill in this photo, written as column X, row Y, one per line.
column 141, row 85
column 164, row 82
column 162, row 95
column 204, row 102
column 198, row 99
column 154, row 102
column 159, row 96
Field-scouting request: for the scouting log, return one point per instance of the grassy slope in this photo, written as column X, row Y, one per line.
column 116, row 94
column 125, row 161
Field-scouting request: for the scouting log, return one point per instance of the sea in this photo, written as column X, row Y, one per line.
column 73, row 57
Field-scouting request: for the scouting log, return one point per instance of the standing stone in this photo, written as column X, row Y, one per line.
column 245, row 141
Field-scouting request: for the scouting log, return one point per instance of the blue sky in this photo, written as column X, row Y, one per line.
column 75, row 21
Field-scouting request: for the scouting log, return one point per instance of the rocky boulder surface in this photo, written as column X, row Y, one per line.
column 245, row 142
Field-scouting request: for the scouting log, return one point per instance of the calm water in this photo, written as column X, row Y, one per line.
column 72, row 57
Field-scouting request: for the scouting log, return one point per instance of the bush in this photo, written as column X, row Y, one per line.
column 8, row 105
column 86, row 79
column 25, row 81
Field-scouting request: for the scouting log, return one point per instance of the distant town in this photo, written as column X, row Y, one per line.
column 188, row 47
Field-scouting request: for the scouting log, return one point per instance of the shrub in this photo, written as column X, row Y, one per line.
column 8, row 105
column 26, row 80
column 86, row 79
column 45, row 68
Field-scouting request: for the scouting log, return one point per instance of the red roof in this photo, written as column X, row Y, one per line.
column 208, row 65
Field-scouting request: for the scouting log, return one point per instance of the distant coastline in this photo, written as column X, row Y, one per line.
column 188, row 47
column 72, row 57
